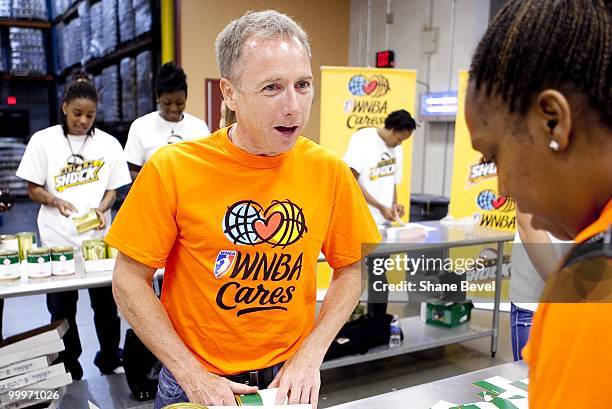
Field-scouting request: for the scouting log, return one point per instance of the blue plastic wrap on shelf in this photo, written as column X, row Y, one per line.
column 144, row 83
column 27, row 51
column 143, row 19
column 5, row 8
column 110, row 93
column 109, row 27
column 127, row 70
column 30, row 9
column 126, row 21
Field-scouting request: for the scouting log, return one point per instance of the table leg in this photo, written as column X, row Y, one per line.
column 498, row 279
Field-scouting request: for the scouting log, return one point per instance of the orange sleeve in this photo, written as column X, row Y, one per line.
column 351, row 226
column 145, row 228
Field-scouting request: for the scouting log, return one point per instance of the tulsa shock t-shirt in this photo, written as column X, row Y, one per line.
column 239, row 236
column 379, row 167
column 80, row 175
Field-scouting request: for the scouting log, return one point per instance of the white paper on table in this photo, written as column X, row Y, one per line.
column 443, row 404
column 506, row 384
column 426, row 228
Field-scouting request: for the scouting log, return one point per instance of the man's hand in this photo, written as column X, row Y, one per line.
column 65, row 208
column 206, row 388
column 100, row 214
column 398, row 210
column 299, row 380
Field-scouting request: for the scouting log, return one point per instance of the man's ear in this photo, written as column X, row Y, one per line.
column 550, row 119
column 229, row 93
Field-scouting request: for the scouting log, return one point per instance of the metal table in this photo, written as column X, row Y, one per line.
column 79, row 280
column 418, row 335
column 457, row 389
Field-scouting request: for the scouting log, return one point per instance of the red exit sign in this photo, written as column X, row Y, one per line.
column 11, row 100
column 385, row 59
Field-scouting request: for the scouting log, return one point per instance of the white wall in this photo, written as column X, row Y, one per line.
column 460, row 25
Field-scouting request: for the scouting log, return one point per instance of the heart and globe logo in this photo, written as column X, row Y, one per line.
column 248, row 223
column 489, row 200
column 375, row 86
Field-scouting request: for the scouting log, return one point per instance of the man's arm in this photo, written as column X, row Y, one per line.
column 301, row 376
column 371, row 200
column 537, row 244
column 144, row 311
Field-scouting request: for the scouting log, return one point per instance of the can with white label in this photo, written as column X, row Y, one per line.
column 62, row 261
column 9, row 265
column 39, row 262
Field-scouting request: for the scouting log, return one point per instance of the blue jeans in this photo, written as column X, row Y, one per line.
column 168, row 390
column 520, row 326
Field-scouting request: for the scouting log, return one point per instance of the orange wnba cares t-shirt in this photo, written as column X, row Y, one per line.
column 239, row 236
column 570, row 345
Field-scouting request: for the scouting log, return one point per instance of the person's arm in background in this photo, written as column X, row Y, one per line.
column 371, row 200
column 134, row 170
column 144, row 311
column 40, row 195
column 303, row 369
column 537, row 244
column 397, row 209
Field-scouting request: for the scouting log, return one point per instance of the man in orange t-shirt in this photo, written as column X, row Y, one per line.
column 238, row 220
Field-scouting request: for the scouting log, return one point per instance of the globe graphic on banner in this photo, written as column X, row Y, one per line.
column 239, row 220
column 357, row 84
column 485, row 199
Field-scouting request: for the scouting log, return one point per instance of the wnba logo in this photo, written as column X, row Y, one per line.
column 248, row 223
column 376, row 86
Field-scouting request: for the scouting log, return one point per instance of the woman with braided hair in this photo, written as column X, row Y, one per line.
column 539, row 105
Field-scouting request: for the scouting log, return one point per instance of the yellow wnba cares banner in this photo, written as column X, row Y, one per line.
column 474, row 191
column 474, row 185
column 353, row 98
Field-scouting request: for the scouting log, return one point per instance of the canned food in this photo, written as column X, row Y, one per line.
column 94, row 249
column 39, row 262
column 9, row 264
column 111, row 252
column 26, row 241
column 185, row 405
column 62, row 261
column 9, row 242
column 88, row 221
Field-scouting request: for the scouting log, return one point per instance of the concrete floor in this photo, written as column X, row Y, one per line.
column 338, row 385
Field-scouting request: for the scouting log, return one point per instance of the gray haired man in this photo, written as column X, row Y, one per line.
column 238, row 220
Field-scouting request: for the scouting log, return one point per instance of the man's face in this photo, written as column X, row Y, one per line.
column 526, row 170
column 271, row 94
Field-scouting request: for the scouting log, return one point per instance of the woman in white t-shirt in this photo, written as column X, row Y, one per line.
column 71, row 168
column 168, row 125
